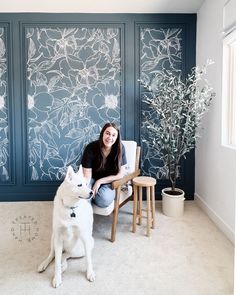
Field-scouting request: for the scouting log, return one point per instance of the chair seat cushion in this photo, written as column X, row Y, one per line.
column 126, row 192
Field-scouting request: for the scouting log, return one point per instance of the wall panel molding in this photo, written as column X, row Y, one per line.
column 71, row 73
column 73, row 87
column 7, row 171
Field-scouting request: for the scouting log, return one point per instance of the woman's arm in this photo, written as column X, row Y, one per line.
column 108, row 179
column 87, row 174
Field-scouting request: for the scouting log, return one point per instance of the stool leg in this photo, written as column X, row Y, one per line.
column 135, row 208
column 140, row 205
column 137, row 204
column 148, row 211
column 153, row 206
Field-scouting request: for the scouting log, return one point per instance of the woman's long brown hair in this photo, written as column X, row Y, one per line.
column 116, row 149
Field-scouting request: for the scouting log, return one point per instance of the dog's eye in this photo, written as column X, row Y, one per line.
column 79, row 185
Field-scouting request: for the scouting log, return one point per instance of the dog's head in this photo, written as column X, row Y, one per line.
column 75, row 187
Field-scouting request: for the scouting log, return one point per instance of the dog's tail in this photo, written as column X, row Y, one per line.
column 49, row 259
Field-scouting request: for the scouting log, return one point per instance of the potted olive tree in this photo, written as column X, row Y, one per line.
column 179, row 105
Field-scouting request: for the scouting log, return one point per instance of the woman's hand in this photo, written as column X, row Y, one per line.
column 108, row 179
column 96, row 186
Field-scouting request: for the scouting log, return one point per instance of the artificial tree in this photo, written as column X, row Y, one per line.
column 179, row 105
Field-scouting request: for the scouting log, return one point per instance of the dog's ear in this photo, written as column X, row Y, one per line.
column 69, row 174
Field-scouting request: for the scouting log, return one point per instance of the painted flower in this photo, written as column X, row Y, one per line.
column 30, row 102
column 2, row 102
column 65, row 46
column 159, row 47
column 88, row 75
column 39, row 106
column 111, row 101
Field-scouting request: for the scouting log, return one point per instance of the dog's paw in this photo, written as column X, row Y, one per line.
column 56, row 282
column 91, row 276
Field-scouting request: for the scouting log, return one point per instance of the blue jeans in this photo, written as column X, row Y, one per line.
column 104, row 196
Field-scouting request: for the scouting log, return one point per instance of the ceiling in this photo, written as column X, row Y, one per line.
column 102, row 6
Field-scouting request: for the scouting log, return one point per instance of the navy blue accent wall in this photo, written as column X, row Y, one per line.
column 62, row 76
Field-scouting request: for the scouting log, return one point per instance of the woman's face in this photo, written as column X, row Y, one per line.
column 109, row 137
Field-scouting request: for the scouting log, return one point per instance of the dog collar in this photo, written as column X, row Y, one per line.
column 72, row 214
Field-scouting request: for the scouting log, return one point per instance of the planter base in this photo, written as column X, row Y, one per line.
column 173, row 205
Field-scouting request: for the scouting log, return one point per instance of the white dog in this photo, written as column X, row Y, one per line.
column 72, row 226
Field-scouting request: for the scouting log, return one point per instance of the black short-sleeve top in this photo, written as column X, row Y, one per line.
column 90, row 160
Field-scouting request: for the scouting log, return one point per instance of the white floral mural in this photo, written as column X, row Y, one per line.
column 73, row 89
column 159, row 49
column 4, row 129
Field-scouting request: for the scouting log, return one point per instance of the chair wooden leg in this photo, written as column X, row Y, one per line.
column 114, row 223
column 115, row 216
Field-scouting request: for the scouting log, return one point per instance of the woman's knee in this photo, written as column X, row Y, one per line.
column 104, row 197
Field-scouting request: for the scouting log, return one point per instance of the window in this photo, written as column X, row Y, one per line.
column 229, row 90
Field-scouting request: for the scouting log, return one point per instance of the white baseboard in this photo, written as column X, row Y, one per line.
column 215, row 218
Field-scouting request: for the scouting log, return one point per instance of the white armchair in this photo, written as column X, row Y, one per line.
column 123, row 186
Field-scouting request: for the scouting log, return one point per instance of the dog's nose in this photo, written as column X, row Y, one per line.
column 91, row 193
column 79, row 185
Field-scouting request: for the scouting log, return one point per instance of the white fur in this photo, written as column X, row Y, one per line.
column 71, row 236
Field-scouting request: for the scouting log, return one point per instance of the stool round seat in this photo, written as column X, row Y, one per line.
column 144, row 181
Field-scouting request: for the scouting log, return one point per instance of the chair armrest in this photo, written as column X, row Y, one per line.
column 126, row 178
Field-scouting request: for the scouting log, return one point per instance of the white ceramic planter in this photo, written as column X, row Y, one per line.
column 173, row 205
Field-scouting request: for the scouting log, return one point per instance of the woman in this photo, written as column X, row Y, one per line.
column 104, row 161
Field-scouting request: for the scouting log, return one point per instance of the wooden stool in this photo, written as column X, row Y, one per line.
column 138, row 184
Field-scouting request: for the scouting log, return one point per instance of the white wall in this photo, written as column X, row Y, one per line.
column 229, row 17
column 101, row 6
column 215, row 185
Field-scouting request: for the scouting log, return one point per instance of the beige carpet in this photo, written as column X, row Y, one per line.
column 186, row 255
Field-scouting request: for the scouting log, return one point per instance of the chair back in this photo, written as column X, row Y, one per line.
column 130, row 149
